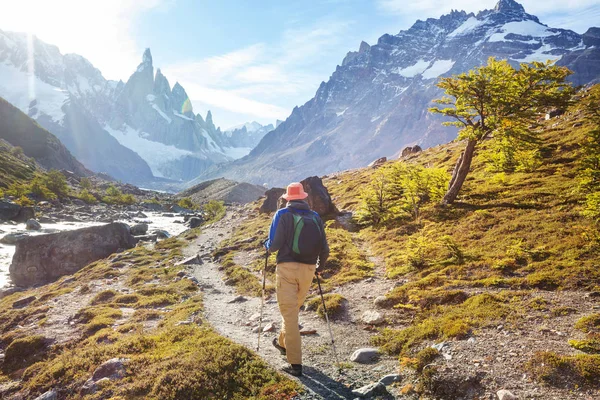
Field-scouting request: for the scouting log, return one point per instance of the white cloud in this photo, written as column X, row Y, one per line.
column 101, row 31
column 259, row 81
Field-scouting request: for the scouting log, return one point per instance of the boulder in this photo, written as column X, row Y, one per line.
column 24, row 301
column 8, row 210
column 32, row 225
column 195, row 222
column 372, row 390
column 160, row 234
column 372, row 318
column 271, row 202
column 13, row 238
column 411, row 150
column 112, row 369
column 505, row 395
column 42, row 259
column 139, row 229
column 364, row 355
column 378, row 163
column 318, row 199
column 389, row 379
column 49, row 395
column 25, row 214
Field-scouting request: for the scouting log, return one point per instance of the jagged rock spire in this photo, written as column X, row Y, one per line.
column 147, row 57
column 509, row 5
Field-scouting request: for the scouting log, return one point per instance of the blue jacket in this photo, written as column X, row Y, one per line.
column 281, row 232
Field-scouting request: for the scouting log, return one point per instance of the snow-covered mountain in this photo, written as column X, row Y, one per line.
column 134, row 130
column 375, row 103
column 243, row 138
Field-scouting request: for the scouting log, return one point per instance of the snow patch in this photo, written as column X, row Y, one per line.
column 150, row 97
column 15, row 88
column 540, row 55
column 339, row 114
column 154, row 153
column 413, row 70
column 468, row 26
column 523, row 28
column 182, row 116
column 209, row 139
column 438, row 68
column 162, row 114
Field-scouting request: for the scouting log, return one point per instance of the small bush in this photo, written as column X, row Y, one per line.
column 591, row 346
column 85, row 183
column 24, row 351
column 215, row 210
column 87, row 197
column 25, row 201
column 334, row 303
column 186, row 202
column 423, row 358
column 589, row 324
column 104, row 297
column 565, row 371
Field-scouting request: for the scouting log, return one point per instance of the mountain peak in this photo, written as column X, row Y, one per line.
column 509, row 5
column 147, row 57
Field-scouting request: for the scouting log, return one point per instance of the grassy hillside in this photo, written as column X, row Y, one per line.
column 512, row 241
column 14, row 166
column 20, row 130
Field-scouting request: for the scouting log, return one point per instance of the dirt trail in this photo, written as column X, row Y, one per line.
column 233, row 320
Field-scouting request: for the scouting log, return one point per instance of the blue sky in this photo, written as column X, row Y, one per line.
column 244, row 60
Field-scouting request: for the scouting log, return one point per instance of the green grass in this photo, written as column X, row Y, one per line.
column 168, row 362
column 574, row 372
column 334, row 302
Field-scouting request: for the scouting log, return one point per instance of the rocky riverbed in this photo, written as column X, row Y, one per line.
column 52, row 218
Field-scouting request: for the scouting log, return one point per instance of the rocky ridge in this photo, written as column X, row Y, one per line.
column 375, row 103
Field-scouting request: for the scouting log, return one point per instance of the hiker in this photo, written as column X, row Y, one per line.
column 298, row 235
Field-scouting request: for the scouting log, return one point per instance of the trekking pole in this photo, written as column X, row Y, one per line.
column 327, row 319
column 262, row 300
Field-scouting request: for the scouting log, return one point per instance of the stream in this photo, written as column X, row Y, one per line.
column 155, row 220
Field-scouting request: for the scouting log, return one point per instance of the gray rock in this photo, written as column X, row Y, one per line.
column 372, row 318
column 364, row 355
column 271, row 202
column 113, row 369
column 190, row 261
column 505, row 395
column 161, row 234
column 42, row 259
column 377, row 163
column 13, row 238
column 33, row 225
column 380, row 301
column 270, row 327
column 49, row 395
column 374, row 389
column 8, row 210
column 238, row 299
column 23, row 302
column 389, row 379
column 195, row 222
column 25, row 213
column 139, row 229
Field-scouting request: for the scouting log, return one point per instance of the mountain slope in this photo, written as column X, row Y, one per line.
column 134, row 130
column 20, row 130
column 376, row 102
column 223, row 190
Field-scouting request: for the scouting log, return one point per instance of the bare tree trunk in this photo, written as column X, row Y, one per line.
column 460, row 173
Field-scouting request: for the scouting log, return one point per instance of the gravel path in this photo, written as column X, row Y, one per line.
column 236, row 320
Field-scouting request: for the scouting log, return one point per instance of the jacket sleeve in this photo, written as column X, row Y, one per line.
column 325, row 249
column 277, row 232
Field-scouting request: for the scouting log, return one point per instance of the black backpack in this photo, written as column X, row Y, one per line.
column 307, row 238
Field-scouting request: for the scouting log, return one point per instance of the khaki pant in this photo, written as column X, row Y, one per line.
column 293, row 283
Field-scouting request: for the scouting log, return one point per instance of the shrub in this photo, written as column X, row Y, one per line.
column 85, row 183
column 566, row 371
column 87, row 197
column 215, row 210
column 17, row 151
column 24, row 201
column 423, row 358
column 56, row 183
column 333, row 301
column 186, row 202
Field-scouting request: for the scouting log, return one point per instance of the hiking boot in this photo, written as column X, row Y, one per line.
column 278, row 347
column 293, row 369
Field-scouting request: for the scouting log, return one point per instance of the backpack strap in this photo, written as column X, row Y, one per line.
column 298, row 225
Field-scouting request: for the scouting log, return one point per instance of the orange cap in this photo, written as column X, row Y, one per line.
column 295, row 191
